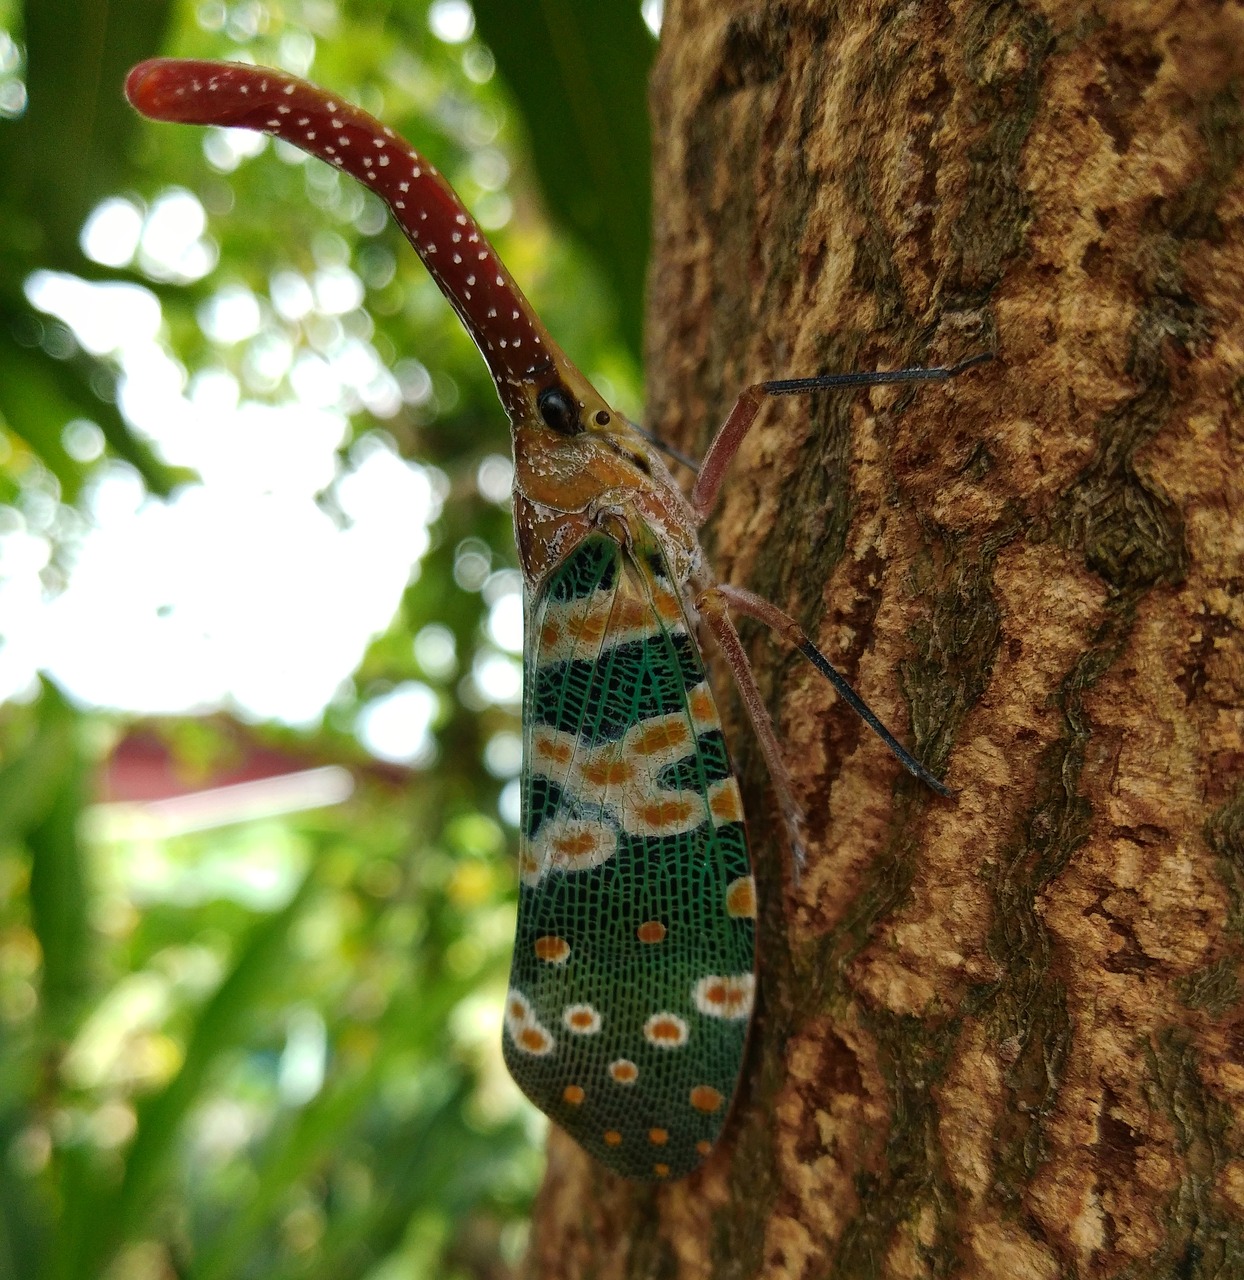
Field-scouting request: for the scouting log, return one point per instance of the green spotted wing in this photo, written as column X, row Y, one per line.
column 632, row 982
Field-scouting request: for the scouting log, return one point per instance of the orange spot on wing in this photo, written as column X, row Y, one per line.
column 581, row 1018
column 533, row 1038
column 556, row 749
column 703, row 1147
column 552, row 948
column 588, row 628
column 630, row 614
column 666, row 813
column 661, row 1170
column 666, row 1030
column 725, row 802
column 703, row 709
column 573, row 1095
column 606, row 772
column 651, row 931
column 725, row 996
column 624, row 1071
column 613, row 1138
column 705, row 1098
column 741, row 898
column 550, row 634
column 660, row 737
column 669, row 608
column 658, row 1137
column 577, row 844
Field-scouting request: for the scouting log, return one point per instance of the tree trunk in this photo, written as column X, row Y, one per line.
column 999, row 1035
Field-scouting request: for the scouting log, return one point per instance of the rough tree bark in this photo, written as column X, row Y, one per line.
column 999, row 1036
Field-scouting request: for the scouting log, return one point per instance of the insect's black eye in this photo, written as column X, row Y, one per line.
column 559, row 411
column 602, row 418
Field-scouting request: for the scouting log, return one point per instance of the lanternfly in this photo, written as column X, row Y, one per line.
column 633, row 976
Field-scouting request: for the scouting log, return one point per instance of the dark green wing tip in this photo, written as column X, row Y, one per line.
column 655, row 1167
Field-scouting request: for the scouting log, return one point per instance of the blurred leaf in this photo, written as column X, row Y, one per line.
column 579, row 73
column 68, row 149
column 35, row 404
column 30, row 781
column 22, row 1218
column 65, row 153
column 431, row 1160
column 320, row 1125
column 97, row 1225
column 58, row 889
column 39, row 395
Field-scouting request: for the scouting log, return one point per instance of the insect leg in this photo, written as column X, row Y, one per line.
column 727, row 440
column 754, row 606
column 711, row 606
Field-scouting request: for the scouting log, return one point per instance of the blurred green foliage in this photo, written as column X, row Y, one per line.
column 580, row 74
column 165, row 999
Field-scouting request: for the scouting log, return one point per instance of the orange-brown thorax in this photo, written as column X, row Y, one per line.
column 567, row 487
column 603, row 474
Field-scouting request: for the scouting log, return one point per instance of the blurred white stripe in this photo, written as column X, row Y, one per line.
column 221, row 806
